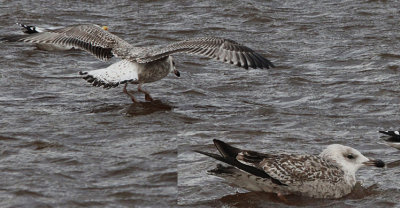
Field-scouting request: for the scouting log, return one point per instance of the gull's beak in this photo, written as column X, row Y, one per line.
column 176, row 72
column 376, row 163
column 105, row 28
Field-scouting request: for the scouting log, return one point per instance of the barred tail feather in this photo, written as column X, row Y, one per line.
column 117, row 73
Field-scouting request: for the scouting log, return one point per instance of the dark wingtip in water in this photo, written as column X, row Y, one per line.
column 392, row 138
column 394, row 135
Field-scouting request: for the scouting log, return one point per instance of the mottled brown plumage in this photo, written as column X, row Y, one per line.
column 328, row 175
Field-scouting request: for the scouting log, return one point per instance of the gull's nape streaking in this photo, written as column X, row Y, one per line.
column 392, row 139
column 141, row 65
column 328, row 175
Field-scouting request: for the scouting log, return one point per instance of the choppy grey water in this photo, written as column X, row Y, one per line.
column 66, row 143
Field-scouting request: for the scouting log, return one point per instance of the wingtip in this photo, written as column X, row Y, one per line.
column 225, row 149
column 216, row 140
column 271, row 65
column 201, row 152
column 219, row 143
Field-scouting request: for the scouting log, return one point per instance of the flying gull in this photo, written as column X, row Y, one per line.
column 141, row 65
column 393, row 140
column 329, row 175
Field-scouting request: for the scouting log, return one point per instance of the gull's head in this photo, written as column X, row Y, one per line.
column 104, row 28
column 172, row 66
column 349, row 158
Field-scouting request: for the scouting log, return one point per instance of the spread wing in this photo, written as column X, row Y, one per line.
column 224, row 50
column 89, row 37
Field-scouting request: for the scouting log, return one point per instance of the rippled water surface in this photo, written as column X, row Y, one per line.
column 66, row 143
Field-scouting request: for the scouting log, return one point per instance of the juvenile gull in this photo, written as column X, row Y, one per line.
column 329, row 175
column 393, row 140
column 141, row 65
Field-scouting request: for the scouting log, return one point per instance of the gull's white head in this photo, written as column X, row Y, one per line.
column 349, row 158
column 172, row 66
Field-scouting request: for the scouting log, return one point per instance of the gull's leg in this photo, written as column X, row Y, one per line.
column 146, row 94
column 282, row 197
column 129, row 94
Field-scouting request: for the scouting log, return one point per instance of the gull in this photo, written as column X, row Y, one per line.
column 393, row 140
column 30, row 30
column 141, row 65
column 328, row 175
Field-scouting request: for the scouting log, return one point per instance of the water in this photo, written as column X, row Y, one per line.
column 66, row 143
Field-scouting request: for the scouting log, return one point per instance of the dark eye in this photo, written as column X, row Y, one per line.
column 350, row 156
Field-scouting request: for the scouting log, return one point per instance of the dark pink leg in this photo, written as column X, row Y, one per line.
column 146, row 94
column 129, row 94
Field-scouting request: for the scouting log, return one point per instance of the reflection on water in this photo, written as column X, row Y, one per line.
column 259, row 199
column 144, row 108
column 134, row 109
column 104, row 108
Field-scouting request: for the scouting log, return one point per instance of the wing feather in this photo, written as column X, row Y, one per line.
column 91, row 38
column 211, row 47
column 243, row 62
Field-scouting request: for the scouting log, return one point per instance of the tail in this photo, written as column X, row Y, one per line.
column 117, row 73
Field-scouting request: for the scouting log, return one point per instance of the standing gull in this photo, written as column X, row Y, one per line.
column 141, row 65
column 329, row 175
column 393, row 140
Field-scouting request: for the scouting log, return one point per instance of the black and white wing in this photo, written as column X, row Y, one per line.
column 221, row 49
column 394, row 135
column 30, row 29
column 89, row 37
column 393, row 138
